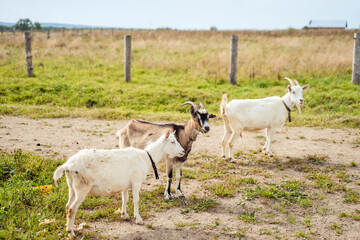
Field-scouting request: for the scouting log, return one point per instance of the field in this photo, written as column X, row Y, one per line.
column 78, row 99
column 83, row 75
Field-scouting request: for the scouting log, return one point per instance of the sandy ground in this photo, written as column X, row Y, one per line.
column 64, row 137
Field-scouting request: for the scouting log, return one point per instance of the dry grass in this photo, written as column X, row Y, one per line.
column 204, row 54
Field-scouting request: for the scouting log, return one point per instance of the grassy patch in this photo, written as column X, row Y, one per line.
column 227, row 187
column 247, row 217
column 351, row 196
column 291, row 191
column 353, row 215
column 82, row 76
column 23, row 209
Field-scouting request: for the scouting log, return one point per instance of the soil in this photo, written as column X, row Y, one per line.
column 62, row 138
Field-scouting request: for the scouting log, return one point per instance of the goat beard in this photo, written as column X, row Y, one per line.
column 298, row 107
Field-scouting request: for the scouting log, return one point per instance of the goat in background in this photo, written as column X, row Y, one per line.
column 255, row 114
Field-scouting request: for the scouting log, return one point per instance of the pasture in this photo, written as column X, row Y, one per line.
column 82, row 76
column 78, row 99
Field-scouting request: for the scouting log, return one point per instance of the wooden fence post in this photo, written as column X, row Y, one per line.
column 356, row 60
column 233, row 60
column 13, row 30
column 127, row 58
column 28, row 54
column 63, row 32
column 48, row 33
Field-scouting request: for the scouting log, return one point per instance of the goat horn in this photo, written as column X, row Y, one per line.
column 296, row 82
column 192, row 104
column 290, row 81
column 202, row 106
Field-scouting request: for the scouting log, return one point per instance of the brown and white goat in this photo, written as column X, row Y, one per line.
column 139, row 134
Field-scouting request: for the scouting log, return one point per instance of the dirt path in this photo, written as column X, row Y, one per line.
column 64, row 137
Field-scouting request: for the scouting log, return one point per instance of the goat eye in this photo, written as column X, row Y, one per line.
column 293, row 92
column 173, row 142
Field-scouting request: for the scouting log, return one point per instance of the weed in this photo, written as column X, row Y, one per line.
column 317, row 159
column 337, row 228
column 351, row 196
column 301, row 235
column 248, row 217
column 240, row 233
column 354, row 215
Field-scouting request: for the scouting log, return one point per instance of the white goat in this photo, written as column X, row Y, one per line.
column 256, row 114
column 108, row 172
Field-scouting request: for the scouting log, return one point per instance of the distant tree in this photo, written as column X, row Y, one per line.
column 2, row 28
column 37, row 25
column 23, row 25
column 213, row 28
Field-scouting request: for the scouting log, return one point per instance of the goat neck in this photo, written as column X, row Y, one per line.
column 156, row 150
column 287, row 100
column 189, row 134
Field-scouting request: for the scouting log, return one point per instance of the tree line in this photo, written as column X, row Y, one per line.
column 23, row 25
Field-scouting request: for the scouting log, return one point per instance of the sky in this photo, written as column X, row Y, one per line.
column 183, row 14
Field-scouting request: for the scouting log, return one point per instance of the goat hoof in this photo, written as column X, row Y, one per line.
column 125, row 216
column 168, row 197
column 139, row 221
column 180, row 196
column 71, row 234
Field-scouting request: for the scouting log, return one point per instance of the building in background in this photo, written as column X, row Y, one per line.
column 327, row 24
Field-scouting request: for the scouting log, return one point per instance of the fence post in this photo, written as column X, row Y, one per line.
column 356, row 60
column 233, row 60
column 127, row 58
column 13, row 30
column 48, row 33
column 63, row 32
column 28, row 54
column 90, row 31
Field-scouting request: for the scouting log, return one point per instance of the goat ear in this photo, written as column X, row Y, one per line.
column 289, row 88
column 193, row 112
column 306, row 86
column 212, row 115
column 167, row 134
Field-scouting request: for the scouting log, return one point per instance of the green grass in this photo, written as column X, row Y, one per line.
column 291, row 192
column 83, row 76
column 247, row 217
column 22, row 208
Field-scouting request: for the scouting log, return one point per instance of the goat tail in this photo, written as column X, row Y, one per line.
column 59, row 172
column 223, row 105
column 223, row 111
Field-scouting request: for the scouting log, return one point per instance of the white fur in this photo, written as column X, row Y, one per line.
column 256, row 114
column 109, row 172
